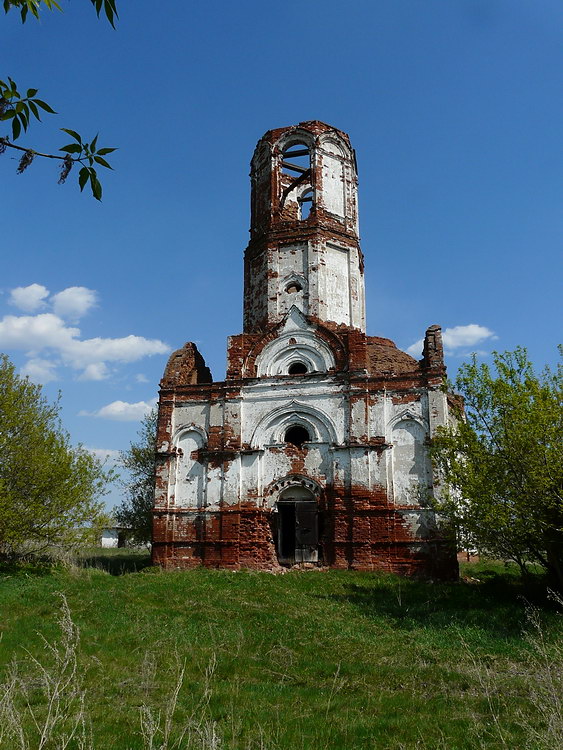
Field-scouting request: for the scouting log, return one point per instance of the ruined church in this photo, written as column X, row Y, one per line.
column 314, row 449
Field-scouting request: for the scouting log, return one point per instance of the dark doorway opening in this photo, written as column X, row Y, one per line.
column 298, row 530
column 286, row 536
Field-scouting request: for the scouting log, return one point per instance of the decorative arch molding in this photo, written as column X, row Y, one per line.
column 294, row 325
column 297, row 137
column 294, row 480
column 272, row 428
column 295, row 278
column 183, row 431
column 292, row 347
column 334, row 145
column 407, row 415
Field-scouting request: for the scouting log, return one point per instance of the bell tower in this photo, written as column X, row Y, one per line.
column 304, row 247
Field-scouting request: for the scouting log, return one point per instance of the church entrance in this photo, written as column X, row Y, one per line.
column 298, row 527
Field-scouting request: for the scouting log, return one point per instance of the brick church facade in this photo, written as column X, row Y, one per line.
column 314, row 449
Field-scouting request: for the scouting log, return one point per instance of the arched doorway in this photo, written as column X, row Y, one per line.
column 297, row 526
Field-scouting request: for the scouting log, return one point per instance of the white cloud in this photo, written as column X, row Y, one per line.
column 415, row 350
column 105, row 454
column 74, row 302
column 33, row 333
column 468, row 335
column 126, row 349
column 457, row 337
column 122, row 411
column 39, row 370
column 46, row 333
column 29, row 298
column 140, row 378
column 95, row 371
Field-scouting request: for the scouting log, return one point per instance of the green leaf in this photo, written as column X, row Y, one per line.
column 83, row 176
column 45, row 106
column 103, row 162
column 34, row 109
column 24, row 118
column 104, row 151
column 96, row 187
column 71, row 148
column 8, row 114
column 109, row 7
column 73, row 133
column 16, row 128
column 31, row 93
column 93, row 144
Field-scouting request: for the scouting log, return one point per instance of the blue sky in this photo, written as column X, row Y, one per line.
column 453, row 106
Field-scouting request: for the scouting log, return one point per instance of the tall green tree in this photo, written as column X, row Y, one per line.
column 503, row 462
column 135, row 511
column 49, row 490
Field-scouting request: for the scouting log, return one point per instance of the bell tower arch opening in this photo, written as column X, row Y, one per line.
column 296, row 159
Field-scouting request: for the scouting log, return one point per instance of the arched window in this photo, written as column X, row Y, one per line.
column 305, row 204
column 293, row 287
column 296, row 159
column 296, row 168
column 297, row 368
column 297, row 435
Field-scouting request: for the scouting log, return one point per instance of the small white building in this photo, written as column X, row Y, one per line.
column 115, row 536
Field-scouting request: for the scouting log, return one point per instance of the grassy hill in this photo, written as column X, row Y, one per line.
column 303, row 660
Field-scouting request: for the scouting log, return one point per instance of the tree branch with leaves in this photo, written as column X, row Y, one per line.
column 20, row 110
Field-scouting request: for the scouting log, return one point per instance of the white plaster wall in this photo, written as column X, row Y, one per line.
column 357, row 291
column 336, row 284
column 411, row 463
column 332, row 284
column 333, row 185
column 266, row 408
column 190, row 473
column 291, row 264
column 187, row 415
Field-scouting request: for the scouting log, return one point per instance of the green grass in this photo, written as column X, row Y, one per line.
column 303, row 660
